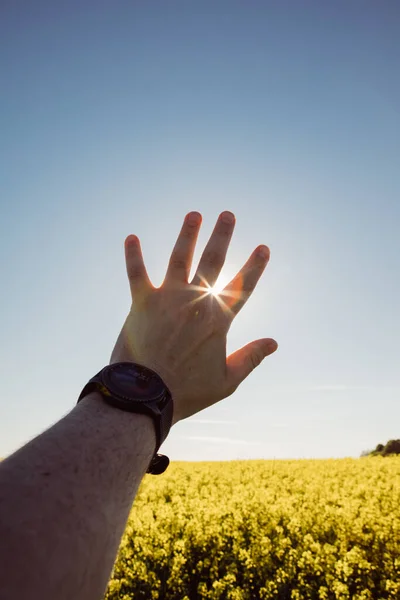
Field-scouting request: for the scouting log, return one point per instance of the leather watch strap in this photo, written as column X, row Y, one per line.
column 162, row 418
column 160, row 462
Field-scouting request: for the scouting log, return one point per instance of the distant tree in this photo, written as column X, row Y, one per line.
column 392, row 447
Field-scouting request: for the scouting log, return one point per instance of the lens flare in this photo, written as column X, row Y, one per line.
column 218, row 287
column 226, row 298
column 214, row 291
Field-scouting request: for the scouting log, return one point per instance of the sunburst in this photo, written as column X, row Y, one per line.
column 218, row 287
column 217, row 291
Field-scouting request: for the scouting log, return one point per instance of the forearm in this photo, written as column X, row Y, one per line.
column 64, row 501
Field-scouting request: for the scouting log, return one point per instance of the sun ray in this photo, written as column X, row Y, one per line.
column 226, row 297
column 223, row 305
column 237, row 294
column 199, row 298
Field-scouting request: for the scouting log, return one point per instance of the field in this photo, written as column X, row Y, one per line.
column 271, row 530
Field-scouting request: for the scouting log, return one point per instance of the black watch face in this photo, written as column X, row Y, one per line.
column 135, row 382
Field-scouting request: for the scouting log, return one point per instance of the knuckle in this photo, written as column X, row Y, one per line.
column 247, row 287
column 213, row 258
column 224, row 229
column 255, row 359
column 178, row 262
column 250, row 280
column 189, row 231
column 134, row 272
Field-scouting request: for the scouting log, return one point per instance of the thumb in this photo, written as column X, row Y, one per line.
column 243, row 361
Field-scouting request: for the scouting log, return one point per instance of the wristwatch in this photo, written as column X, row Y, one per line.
column 136, row 388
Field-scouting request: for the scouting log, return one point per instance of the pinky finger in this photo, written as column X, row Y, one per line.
column 138, row 278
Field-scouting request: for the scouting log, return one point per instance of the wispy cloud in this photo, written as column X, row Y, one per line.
column 329, row 387
column 220, row 440
column 211, row 421
column 351, row 388
column 337, row 388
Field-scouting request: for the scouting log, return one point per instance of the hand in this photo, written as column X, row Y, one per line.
column 179, row 329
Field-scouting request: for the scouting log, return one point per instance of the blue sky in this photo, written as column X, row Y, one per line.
column 119, row 118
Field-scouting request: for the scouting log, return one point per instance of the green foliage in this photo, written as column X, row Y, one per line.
column 264, row 530
column 392, row 447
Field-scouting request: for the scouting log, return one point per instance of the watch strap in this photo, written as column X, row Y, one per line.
column 162, row 418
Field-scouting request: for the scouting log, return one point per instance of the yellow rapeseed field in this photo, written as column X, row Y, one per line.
column 271, row 530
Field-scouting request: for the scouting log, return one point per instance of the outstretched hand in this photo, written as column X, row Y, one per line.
column 179, row 329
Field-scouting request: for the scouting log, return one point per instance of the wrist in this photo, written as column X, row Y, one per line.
column 135, row 431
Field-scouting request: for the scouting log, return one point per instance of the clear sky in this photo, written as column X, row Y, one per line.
column 120, row 117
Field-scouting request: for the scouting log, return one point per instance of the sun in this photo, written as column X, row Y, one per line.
column 225, row 299
column 219, row 285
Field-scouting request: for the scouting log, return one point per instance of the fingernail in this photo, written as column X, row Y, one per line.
column 263, row 252
column 194, row 218
column 272, row 346
column 132, row 240
column 227, row 217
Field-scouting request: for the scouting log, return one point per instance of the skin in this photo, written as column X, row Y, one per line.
column 180, row 330
column 65, row 496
